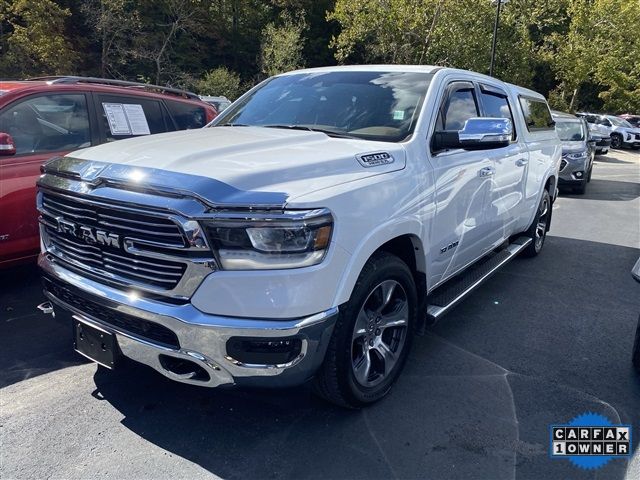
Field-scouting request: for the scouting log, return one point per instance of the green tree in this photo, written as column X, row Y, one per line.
column 282, row 45
column 220, row 81
column 442, row 32
column 114, row 24
column 33, row 39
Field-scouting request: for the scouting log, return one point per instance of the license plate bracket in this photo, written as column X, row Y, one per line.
column 95, row 343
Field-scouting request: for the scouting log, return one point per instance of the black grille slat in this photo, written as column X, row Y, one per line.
column 108, row 261
column 139, row 327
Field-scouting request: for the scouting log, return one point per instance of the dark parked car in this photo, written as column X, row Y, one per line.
column 47, row 117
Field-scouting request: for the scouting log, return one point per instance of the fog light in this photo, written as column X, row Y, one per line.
column 578, row 174
column 264, row 351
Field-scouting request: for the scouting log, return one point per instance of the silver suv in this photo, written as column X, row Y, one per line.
column 623, row 134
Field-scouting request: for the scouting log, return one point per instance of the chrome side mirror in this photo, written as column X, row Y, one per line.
column 487, row 131
column 477, row 134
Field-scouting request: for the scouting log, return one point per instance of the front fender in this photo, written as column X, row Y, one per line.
column 373, row 241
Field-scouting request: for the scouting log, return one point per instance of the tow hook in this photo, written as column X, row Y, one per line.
column 47, row 309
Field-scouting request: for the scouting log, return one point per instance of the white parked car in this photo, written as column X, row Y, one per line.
column 322, row 220
column 622, row 133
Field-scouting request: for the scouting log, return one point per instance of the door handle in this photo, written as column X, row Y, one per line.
column 486, row 171
column 521, row 162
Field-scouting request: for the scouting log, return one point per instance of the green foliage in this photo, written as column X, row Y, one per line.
column 583, row 54
column 281, row 49
column 220, row 81
column 33, row 40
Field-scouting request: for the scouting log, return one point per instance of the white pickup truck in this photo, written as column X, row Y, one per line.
column 321, row 220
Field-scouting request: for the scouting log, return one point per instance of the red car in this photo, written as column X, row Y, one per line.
column 47, row 117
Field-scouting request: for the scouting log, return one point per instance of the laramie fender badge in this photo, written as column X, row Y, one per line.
column 374, row 159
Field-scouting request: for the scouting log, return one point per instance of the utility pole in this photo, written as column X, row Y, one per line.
column 495, row 34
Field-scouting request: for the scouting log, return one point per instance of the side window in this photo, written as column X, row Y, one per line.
column 537, row 115
column 187, row 115
column 126, row 117
column 48, row 123
column 495, row 105
column 459, row 106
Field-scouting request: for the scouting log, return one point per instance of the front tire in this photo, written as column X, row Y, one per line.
column 616, row 140
column 372, row 335
column 538, row 229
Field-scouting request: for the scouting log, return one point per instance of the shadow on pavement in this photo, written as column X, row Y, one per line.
column 543, row 341
column 608, row 158
column 31, row 343
column 609, row 190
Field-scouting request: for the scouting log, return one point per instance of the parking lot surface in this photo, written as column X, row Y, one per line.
column 543, row 341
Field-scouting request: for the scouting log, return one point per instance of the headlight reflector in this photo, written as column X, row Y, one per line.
column 577, row 156
column 293, row 240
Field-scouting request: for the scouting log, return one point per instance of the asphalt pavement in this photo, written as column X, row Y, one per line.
column 542, row 342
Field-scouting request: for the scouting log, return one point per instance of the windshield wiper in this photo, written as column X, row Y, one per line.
column 330, row 133
column 232, row 125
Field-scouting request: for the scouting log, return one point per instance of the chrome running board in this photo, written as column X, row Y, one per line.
column 447, row 296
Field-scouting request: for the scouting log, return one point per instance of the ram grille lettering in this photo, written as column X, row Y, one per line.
column 90, row 235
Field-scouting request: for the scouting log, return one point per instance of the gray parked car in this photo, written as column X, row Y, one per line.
column 578, row 151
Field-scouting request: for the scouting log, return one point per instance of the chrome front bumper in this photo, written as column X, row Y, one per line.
column 202, row 337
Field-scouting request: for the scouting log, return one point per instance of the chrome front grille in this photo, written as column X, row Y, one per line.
column 139, row 245
column 133, row 223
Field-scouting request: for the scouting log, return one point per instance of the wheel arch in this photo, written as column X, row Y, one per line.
column 402, row 239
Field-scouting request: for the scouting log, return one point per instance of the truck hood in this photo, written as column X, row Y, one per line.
column 251, row 160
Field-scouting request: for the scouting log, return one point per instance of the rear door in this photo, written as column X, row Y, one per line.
column 506, row 205
column 42, row 126
column 127, row 116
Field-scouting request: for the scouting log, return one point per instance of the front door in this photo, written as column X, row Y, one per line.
column 42, row 126
column 463, row 182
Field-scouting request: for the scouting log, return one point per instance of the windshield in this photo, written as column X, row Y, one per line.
column 369, row 105
column 570, row 131
column 619, row 122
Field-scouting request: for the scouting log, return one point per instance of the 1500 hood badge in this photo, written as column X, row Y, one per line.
column 375, row 159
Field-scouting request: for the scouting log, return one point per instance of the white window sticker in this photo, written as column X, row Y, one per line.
column 117, row 119
column 137, row 119
column 126, row 119
column 398, row 114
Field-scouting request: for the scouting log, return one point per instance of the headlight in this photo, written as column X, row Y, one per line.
column 293, row 240
column 577, row 155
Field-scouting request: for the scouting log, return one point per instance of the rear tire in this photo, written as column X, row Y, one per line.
column 537, row 232
column 372, row 335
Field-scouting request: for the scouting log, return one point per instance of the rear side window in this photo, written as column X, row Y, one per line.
column 126, row 117
column 537, row 115
column 495, row 104
column 459, row 107
column 186, row 115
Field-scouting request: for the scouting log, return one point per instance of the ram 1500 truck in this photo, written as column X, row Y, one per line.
column 321, row 220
